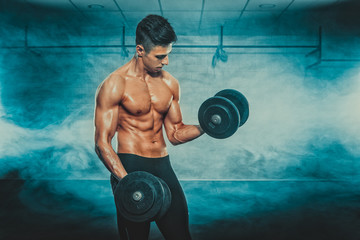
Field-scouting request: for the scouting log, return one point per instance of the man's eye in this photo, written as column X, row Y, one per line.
column 160, row 57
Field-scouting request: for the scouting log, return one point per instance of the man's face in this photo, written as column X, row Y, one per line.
column 157, row 58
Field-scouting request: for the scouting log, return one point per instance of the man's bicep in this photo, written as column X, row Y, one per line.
column 173, row 119
column 106, row 113
column 108, row 99
column 105, row 123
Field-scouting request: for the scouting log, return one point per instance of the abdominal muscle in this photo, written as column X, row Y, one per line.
column 141, row 135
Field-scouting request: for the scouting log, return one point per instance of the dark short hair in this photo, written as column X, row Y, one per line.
column 154, row 30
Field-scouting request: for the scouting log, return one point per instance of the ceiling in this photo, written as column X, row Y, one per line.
column 187, row 16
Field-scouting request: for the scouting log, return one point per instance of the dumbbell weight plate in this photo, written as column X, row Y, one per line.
column 240, row 102
column 219, row 117
column 139, row 196
column 166, row 199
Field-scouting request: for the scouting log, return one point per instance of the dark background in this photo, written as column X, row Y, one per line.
column 291, row 172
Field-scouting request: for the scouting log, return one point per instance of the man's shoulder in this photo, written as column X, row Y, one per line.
column 170, row 80
column 114, row 79
column 172, row 83
column 111, row 89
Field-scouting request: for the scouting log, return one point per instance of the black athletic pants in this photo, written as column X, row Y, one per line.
column 175, row 224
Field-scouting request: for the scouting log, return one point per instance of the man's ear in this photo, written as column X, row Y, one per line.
column 140, row 50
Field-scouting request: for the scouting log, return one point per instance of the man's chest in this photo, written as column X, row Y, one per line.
column 141, row 96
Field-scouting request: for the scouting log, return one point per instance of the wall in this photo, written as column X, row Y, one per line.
column 303, row 124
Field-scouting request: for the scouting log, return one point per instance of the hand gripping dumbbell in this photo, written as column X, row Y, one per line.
column 220, row 116
column 142, row 197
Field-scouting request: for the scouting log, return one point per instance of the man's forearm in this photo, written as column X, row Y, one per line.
column 187, row 133
column 111, row 160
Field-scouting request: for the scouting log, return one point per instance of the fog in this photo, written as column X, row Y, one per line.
column 303, row 123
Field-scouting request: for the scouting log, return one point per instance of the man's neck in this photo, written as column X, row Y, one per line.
column 140, row 70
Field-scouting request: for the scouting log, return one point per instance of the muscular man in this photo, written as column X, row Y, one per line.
column 136, row 101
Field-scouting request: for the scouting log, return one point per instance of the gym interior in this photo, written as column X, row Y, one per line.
column 290, row 172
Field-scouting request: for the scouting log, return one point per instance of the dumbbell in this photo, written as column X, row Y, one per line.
column 142, row 197
column 220, row 116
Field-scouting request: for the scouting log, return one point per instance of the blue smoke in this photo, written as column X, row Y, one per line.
column 303, row 130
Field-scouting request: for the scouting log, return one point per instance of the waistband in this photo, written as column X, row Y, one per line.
column 133, row 162
column 131, row 156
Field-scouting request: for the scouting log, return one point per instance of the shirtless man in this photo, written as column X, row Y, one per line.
column 135, row 101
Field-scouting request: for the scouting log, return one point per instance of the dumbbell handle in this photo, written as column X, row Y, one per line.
column 137, row 196
column 216, row 119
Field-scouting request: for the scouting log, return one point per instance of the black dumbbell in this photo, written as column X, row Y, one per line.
column 142, row 197
column 220, row 116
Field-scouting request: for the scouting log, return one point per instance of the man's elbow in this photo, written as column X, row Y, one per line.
column 175, row 140
column 99, row 147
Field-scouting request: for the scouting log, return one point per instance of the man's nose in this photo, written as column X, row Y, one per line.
column 165, row 61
